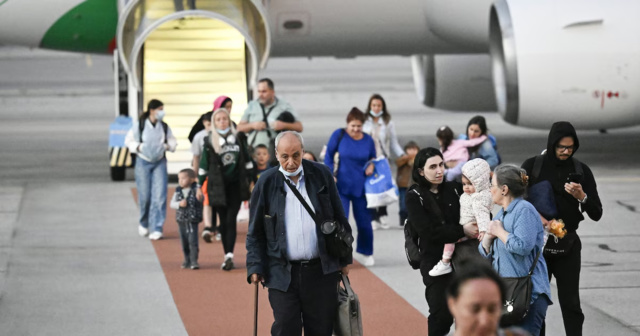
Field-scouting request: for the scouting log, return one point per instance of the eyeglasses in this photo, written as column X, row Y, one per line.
column 565, row 148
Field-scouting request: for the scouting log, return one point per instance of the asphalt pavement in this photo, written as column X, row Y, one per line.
column 71, row 261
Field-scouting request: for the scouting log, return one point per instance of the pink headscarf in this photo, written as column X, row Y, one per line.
column 218, row 102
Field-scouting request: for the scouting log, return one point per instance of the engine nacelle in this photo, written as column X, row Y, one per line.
column 454, row 82
column 568, row 60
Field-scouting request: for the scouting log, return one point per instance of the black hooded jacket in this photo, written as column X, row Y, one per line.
column 556, row 171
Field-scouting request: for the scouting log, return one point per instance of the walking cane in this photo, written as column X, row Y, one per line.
column 255, row 312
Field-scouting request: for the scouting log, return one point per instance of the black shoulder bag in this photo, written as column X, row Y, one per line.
column 337, row 240
column 517, row 296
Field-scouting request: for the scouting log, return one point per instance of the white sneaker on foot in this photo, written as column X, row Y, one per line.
column 384, row 222
column 368, row 261
column 375, row 225
column 440, row 269
column 218, row 237
column 227, row 265
column 142, row 231
column 155, row 235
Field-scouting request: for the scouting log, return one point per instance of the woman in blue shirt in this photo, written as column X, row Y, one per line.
column 487, row 151
column 520, row 236
column 355, row 149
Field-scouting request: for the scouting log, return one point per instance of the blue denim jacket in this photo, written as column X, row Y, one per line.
column 526, row 238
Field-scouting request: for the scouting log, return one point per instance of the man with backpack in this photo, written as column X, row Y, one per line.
column 262, row 119
column 574, row 191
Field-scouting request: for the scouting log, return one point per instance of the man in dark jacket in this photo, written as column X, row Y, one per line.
column 574, row 194
column 286, row 250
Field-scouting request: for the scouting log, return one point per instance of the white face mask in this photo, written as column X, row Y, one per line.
column 160, row 114
column 377, row 115
column 289, row 174
column 224, row 131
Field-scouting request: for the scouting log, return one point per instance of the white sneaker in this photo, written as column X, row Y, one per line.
column 227, row 265
column 155, row 235
column 440, row 269
column 368, row 261
column 384, row 222
column 218, row 237
column 375, row 225
column 142, row 231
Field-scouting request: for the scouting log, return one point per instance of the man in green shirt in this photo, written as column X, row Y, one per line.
column 267, row 107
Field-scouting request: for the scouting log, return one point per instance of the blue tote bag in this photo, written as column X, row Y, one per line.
column 380, row 188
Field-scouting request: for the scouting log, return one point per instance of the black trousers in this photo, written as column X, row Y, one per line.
column 228, row 214
column 310, row 302
column 566, row 269
column 189, row 239
column 440, row 319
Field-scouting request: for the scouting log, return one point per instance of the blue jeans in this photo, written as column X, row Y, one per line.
column 151, row 181
column 537, row 313
column 404, row 214
column 363, row 222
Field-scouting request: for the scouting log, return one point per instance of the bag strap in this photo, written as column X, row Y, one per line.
column 537, row 167
column 353, row 305
column 535, row 262
column 300, row 198
column 265, row 115
column 141, row 124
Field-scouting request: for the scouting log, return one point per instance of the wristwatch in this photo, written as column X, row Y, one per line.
column 584, row 200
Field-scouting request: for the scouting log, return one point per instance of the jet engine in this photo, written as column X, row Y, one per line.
column 454, row 82
column 566, row 60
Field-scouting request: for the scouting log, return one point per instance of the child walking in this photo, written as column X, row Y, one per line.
column 403, row 178
column 188, row 215
column 475, row 207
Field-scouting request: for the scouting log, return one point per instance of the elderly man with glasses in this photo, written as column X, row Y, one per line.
column 575, row 192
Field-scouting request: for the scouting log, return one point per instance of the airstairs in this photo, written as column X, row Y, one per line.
column 187, row 57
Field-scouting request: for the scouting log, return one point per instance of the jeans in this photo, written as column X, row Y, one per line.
column 362, row 215
column 151, row 181
column 404, row 214
column 189, row 238
column 537, row 313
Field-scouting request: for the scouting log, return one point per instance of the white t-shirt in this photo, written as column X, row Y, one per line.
column 198, row 142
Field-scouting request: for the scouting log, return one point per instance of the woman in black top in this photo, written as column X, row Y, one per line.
column 434, row 214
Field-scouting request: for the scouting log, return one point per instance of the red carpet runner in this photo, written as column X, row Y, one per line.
column 212, row 301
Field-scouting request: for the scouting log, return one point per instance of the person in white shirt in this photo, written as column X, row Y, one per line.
column 150, row 138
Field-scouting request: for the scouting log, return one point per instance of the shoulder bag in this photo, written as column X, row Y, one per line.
column 337, row 240
column 518, row 297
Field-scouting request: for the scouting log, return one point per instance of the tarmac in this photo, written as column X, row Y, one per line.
column 71, row 262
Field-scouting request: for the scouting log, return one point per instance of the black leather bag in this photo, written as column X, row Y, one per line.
column 517, row 297
column 338, row 241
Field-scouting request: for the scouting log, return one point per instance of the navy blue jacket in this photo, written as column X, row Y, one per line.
column 267, row 239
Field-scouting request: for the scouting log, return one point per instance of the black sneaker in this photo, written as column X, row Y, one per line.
column 227, row 265
column 185, row 264
column 195, row 266
column 206, row 235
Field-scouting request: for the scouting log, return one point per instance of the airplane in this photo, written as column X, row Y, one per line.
column 535, row 62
